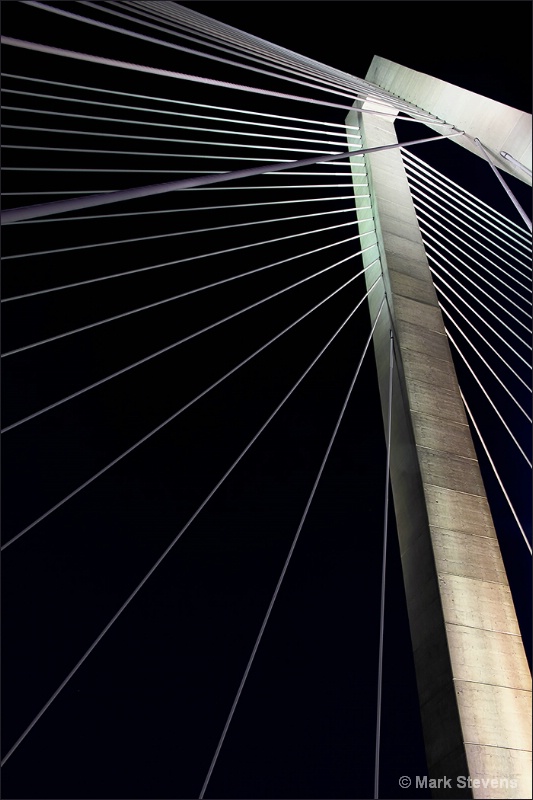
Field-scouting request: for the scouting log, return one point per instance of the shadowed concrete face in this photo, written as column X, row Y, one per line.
column 473, row 679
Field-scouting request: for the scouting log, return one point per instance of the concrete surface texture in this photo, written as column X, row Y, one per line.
column 473, row 678
column 499, row 127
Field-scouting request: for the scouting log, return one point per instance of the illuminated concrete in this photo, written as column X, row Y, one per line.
column 473, row 679
column 499, row 127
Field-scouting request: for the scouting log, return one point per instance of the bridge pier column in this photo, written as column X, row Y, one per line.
column 473, row 678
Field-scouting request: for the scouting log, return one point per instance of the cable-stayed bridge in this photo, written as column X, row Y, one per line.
column 164, row 473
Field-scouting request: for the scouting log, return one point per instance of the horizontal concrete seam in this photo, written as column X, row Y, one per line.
column 414, row 299
column 463, row 533
column 446, row 452
column 417, row 246
column 400, row 319
column 472, row 578
column 481, row 628
column 393, row 219
column 451, row 393
column 457, row 491
column 484, row 683
column 389, row 214
column 411, row 349
column 442, row 452
column 422, row 327
column 466, row 533
column 400, row 203
column 418, row 283
column 432, row 418
column 452, row 422
column 438, row 529
column 461, row 680
column 499, row 746
column 445, row 391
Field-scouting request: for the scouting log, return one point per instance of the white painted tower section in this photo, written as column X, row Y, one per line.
column 473, row 678
column 499, row 127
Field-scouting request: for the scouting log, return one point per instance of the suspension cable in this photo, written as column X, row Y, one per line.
column 520, row 236
column 350, row 209
column 442, row 293
column 463, row 225
column 215, row 29
column 494, row 331
column 215, row 143
column 175, row 101
column 286, row 565
column 468, row 291
column 491, row 462
column 145, row 359
column 190, row 210
column 507, row 428
column 110, row 62
column 164, row 554
column 165, row 300
column 331, row 89
column 425, row 226
column 173, row 114
column 506, row 188
column 192, row 189
column 239, row 48
column 181, row 48
column 383, row 573
column 140, row 270
column 484, row 360
column 13, row 215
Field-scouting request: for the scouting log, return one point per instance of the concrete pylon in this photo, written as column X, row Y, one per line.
column 500, row 127
column 474, row 683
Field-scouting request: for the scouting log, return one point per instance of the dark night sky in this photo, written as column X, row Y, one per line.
column 142, row 717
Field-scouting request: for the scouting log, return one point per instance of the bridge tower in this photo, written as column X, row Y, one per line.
column 473, row 678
